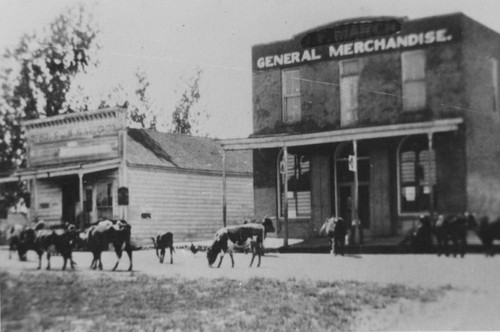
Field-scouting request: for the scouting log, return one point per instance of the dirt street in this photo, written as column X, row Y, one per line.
column 471, row 304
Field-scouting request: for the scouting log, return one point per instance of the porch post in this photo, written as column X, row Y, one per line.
column 80, row 193
column 354, row 208
column 431, row 179
column 34, row 194
column 285, row 196
column 224, row 188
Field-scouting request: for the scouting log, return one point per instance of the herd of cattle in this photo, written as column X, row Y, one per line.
column 450, row 232
column 64, row 238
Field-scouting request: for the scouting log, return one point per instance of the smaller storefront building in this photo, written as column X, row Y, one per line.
column 85, row 167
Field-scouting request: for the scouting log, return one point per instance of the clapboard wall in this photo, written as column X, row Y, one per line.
column 186, row 203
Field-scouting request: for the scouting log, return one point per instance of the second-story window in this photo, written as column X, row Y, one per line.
column 349, row 81
column 413, row 73
column 494, row 83
column 291, row 96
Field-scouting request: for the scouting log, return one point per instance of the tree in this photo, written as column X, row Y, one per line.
column 182, row 118
column 37, row 74
column 142, row 112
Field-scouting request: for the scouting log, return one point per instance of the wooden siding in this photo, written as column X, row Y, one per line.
column 186, row 204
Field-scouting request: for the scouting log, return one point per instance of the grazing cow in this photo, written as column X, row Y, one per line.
column 453, row 228
column 164, row 241
column 488, row 232
column 105, row 232
column 13, row 237
column 239, row 234
column 55, row 239
column 336, row 230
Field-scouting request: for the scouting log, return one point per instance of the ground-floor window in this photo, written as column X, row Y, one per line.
column 299, row 187
column 417, row 166
column 104, row 200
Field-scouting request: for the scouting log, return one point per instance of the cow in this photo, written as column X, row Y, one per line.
column 164, row 241
column 99, row 235
column 227, row 237
column 421, row 238
column 488, row 232
column 13, row 238
column 336, row 230
column 194, row 249
column 50, row 240
column 453, row 228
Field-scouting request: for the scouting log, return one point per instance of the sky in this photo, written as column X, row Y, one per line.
column 170, row 40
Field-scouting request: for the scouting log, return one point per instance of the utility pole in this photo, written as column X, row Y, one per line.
column 285, row 196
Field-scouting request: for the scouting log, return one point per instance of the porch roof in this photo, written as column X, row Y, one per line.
column 342, row 135
column 41, row 172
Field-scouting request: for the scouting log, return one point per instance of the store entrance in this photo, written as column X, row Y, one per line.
column 69, row 188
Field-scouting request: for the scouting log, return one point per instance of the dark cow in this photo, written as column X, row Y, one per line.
column 164, row 241
column 101, row 234
column 13, row 238
column 194, row 249
column 50, row 240
column 421, row 238
column 336, row 230
column 453, row 228
column 488, row 232
column 227, row 237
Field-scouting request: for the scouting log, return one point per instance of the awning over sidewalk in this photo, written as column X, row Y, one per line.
column 342, row 135
column 53, row 171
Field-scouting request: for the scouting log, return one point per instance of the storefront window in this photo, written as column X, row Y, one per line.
column 417, row 174
column 104, row 200
column 299, row 187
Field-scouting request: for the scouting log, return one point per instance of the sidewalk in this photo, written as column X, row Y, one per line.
column 379, row 245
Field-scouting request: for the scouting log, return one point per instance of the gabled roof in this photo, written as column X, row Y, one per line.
column 152, row 148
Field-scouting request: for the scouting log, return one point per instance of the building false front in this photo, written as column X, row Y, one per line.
column 85, row 167
column 376, row 120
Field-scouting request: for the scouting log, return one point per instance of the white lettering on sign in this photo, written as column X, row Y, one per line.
column 57, row 134
column 287, row 59
column 383, row 44
column 356, row 47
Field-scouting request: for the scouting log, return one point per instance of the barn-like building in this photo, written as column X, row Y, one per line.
column 376, row 120
column 83, row 167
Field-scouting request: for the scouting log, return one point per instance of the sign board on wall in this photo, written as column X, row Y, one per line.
column 412, row 35
column 75, row 137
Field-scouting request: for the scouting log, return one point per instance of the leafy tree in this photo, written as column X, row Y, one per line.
column 143, row 112
column 183, row 118
column 37, row 74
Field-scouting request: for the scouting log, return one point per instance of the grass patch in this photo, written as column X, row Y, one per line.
column 69, row 301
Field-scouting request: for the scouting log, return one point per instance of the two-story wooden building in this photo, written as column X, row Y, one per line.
column 376, row 119
column 83, row 167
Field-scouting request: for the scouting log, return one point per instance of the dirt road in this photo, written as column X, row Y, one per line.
column 471, row 304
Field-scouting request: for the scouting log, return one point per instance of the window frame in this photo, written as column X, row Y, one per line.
column 432, row 178
column 107, row 209
column 493, row 62
column 285, row 115
column 349, row 80
column 293, row 173
column 411, row 81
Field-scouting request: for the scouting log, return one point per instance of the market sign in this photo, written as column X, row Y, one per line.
column 357, row 39
column 75, row 137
